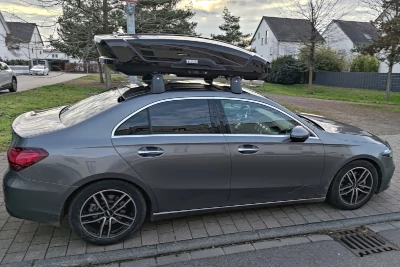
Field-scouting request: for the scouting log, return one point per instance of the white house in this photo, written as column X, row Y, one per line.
column 277, row 37
column 19, row 40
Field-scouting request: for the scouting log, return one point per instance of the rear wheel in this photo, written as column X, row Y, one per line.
column 354, row 185
column 107, row 212
column 14, row 85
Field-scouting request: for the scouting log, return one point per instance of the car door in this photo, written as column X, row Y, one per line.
column 266, row 165
column 3, row 76
column 176, row 147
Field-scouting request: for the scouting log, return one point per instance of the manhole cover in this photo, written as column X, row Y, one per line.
column 363, row 243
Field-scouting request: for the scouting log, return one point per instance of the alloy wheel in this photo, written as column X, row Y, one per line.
column 108, row 214
column 356, row 185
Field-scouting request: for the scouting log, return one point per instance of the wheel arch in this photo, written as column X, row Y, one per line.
column 147, row 193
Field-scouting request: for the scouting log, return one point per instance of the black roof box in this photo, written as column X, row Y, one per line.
column 184, row 56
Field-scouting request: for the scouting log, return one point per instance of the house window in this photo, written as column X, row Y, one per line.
column 266, row 37
column 40, row 52
column 369, row 38
column 32, row 50
column 262, row 41
column 258, row 35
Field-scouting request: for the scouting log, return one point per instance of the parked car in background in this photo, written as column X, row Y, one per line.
column 8, row 79
column 39, row 70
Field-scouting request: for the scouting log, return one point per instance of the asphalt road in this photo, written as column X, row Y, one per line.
column 320, row 254
column 26, row 82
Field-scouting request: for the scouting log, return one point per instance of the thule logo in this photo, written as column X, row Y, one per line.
column 192, row 61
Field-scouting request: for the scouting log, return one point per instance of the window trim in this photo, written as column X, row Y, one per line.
column 313, row 135
column 158, row 102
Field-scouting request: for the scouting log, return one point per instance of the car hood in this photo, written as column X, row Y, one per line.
column 38, row 122
column 341, row 130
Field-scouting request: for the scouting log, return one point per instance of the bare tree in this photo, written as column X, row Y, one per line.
column 319, row 13
column 387, row 45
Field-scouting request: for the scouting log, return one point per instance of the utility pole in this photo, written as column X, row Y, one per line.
column 130, row 8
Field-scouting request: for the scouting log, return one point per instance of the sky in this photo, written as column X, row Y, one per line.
column 208, row 13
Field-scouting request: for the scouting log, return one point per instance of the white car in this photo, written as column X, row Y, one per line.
column 39, row 70
column 8, row 79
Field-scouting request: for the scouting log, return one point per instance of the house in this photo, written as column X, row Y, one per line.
column 344, row 36
column 57, row 59
column 20, row 40
column 277, row 37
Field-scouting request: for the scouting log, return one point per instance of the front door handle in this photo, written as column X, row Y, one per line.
column 150, row 152
column 248, row 149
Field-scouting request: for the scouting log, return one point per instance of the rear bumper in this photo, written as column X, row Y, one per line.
column 387, row 173
column 33, row 200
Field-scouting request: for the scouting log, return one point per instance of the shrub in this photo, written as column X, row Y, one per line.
column 326, row 59
column 285, row 70
column 364, row 63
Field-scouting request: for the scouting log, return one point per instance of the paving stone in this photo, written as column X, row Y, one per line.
column 295, row 240
column 76, row 247
column 149, row 226
column 2, row 254
column 304, row 211
column 285, row 221
column 13, row 257
column 348, row 214
column 56, row 252
column 38, row 247
column 179, row 222
column 395, row 224
column 59, row 241
column 23, row 237
column 45, row 230
column 311, row 218
column 360, row 213
column 270, row 222
column 182, row 233
column 279, row 214
column 236, row 215
column 9, row 234
column 264, row 212
column 61, row 232
column 117, row 246
column 11, row 226
column 140, row 263
column 213, row 229
column 166, row 238
column 114, row 264
column 318, row 238
column 6, row 243
column 197, row 224
column 267, row 244
column 251, row 217
column 238, row 249
column 164, row 228
column 18, row 247
column 229, row 229
column 224, row 220
column 199, row 233
column 133, row 242
column 297, row 219
column 42, row 239
column 149, row 238
column 209, row 218
column 336, row 215
column 243, row 225
column 207, row 253
column 35, row 255
column 164, row 260
column 258, row 225
column 381, row 227
column 93, row 248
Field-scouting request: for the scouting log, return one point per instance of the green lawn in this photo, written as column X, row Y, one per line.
column 13, row 105
column 332, row 93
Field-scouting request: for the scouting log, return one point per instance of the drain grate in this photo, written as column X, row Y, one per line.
column 363, row 243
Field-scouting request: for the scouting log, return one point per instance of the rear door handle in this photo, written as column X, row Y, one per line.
column 150, row 152
column 248, row 149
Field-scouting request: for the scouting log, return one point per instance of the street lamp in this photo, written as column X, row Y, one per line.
column 130, row 7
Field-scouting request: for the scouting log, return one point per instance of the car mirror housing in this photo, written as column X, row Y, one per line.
column 299, row 134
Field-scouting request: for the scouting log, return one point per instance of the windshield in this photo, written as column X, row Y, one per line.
column 38, row 67
column 89, row 107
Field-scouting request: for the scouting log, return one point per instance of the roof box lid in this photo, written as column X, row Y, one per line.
column 184, row 56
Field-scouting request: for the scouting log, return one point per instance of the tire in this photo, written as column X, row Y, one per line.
column 89, row 227
column 14, row 85
column 360, row 192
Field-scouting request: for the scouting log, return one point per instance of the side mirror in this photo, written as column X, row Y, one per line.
column 299, row 134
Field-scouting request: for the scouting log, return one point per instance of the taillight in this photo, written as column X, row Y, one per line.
column 20, row 158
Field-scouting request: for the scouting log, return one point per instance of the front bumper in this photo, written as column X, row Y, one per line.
column 387, row 173
column 33, row 200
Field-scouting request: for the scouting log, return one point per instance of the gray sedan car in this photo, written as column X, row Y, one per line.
column 113, row 159
column 8, row 79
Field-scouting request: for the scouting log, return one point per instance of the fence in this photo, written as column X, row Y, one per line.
column 92, row 67
column 363, row 80
column 19, row 70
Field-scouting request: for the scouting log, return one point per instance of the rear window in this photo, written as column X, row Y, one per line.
column 89, row 107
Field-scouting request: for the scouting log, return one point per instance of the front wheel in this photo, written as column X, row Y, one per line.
column 353, row 186
column 107, row 212
column 14, row 85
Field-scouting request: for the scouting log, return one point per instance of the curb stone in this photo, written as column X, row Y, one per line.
column 205, row 243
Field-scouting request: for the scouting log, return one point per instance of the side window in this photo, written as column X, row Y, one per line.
column 190, row 116
column 138, row 124
column 251, row 118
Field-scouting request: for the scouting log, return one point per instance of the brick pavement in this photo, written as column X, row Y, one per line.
column 22, row 240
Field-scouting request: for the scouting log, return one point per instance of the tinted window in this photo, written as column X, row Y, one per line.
column 190, row 116
column 252, row 118
column 138, row 124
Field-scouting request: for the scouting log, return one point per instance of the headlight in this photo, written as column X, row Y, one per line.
column 387, row 153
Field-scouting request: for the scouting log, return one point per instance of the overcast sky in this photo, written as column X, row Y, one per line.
column 208, row 13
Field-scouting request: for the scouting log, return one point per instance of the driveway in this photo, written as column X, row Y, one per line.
column 26, row 82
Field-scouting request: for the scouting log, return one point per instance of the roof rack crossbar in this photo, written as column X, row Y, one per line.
column 236, row 85
column 157, row 84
